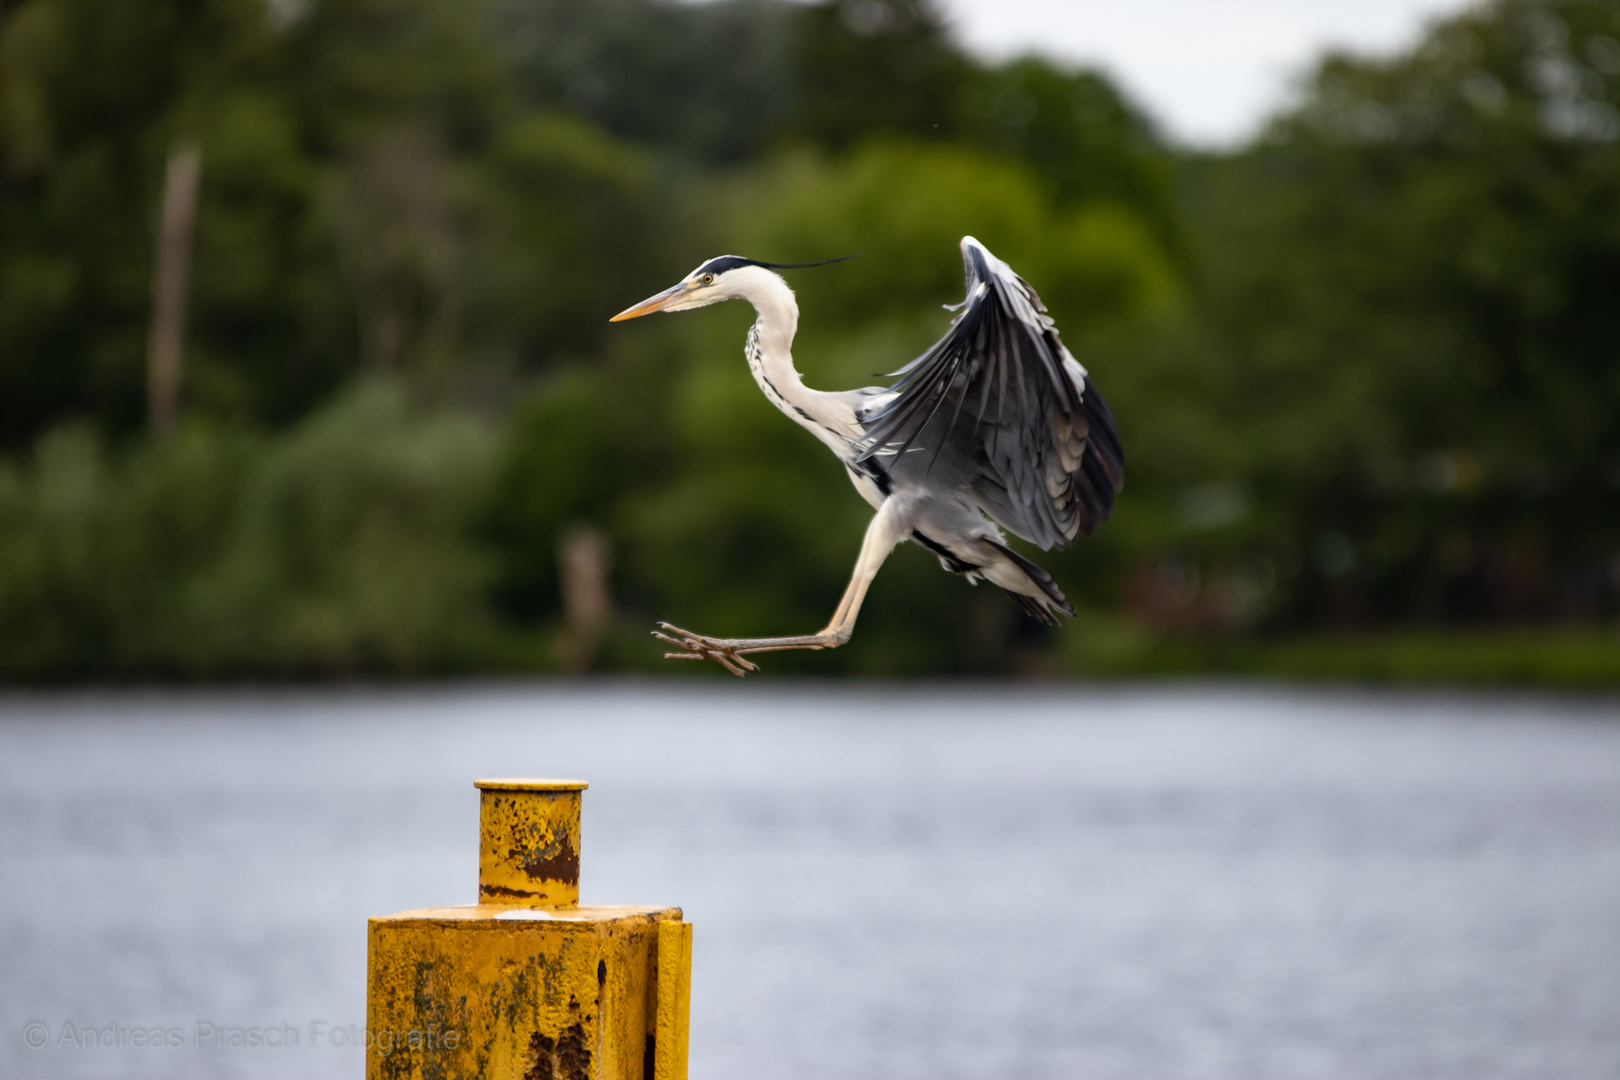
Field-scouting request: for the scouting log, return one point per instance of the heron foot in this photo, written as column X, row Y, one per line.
column 702, row 647
column 729, row 653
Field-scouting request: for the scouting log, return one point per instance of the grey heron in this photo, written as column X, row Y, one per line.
column 995, row 427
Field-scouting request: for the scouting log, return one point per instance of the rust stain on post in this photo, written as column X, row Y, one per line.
column 528, row 842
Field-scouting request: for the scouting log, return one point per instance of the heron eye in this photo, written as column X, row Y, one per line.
column 708, row 279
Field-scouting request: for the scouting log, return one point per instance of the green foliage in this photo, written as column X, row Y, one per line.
column 570, row 453
column 575, row 218
column 338, row 548
column 370, row 200
column 875, row 67
column 1399, row 360
column 736, row 80
column 1364, row 369
column 95, row 554
column 1078, row 134
column 709, row 82
column 349, row 553
column 1561, row 657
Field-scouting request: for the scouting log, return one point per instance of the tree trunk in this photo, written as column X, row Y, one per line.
column 169, row 286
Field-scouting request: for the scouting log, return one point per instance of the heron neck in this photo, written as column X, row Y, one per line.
column 770, row 345
column 770, row 358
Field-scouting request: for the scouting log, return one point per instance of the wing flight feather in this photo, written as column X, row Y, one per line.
column 1026, row 432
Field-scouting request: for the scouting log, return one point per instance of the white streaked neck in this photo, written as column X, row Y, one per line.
column 770, row 358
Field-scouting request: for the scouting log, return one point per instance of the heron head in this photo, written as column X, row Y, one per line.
column 722, row 278
column 708, row 284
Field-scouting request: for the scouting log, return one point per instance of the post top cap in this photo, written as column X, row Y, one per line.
column 531, row 785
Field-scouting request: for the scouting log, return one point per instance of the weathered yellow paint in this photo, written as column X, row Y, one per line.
column 528, row 842
column 529, row 987
column 672, row 995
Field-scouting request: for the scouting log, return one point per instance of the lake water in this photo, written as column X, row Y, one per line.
column 903, row 882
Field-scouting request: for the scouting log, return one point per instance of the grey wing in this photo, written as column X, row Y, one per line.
column 998, row 406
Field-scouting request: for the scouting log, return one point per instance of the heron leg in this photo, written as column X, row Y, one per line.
column 731, row 653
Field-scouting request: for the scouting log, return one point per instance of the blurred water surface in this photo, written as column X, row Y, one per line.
column 929, row 882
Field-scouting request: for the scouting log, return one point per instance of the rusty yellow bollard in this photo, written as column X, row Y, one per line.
column 526, row 984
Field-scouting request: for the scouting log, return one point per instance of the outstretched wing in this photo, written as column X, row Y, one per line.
column 999, row 407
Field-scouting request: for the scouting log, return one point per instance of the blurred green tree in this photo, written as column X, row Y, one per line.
column 338, row 548
column 373, row 198
column 701, row 83
column 1394, row 397
column 875, row 67
column 1364, row 368
column 1079, row 134
column 275, row 94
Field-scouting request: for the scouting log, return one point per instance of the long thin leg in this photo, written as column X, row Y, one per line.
column 881, row 537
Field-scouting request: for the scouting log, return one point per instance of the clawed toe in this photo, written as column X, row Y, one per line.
column 698, row 647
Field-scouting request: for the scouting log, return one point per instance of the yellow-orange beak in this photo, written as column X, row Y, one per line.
column 660, row 302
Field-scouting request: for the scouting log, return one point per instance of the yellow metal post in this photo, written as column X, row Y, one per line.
column 527, row 984
column 528, row 842
column 673, row 995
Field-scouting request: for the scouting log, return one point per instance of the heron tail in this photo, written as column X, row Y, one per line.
column 1037, row 607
